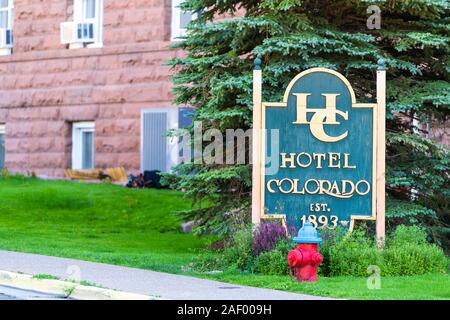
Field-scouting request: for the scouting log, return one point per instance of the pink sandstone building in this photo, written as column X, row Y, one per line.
column 82, row 84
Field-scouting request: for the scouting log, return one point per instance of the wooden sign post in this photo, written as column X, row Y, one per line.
column 319, row 155
column 256, row 145
column 381, row 152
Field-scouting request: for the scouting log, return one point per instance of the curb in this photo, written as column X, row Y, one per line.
column 65, row 288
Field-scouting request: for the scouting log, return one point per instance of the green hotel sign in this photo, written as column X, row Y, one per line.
column 321, row 165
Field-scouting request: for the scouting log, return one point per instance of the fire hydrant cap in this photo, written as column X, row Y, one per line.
column 307, row 234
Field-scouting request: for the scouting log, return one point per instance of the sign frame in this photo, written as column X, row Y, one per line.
column 378, row 157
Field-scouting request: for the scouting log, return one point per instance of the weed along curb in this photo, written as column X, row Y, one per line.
column 66, row 289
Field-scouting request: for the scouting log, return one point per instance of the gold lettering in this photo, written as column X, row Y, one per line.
column 319, row 157
column 333, row 157
column 321, row 116
column 322, row 189
column 346, row 165
column 291, row 160
column 296, row 188
column 309, row 191
column 280, row 185
column 269, row 187
column 299, row 160
column 302, row 100
column 360, row 192
column 335, row 189
column 344, row 187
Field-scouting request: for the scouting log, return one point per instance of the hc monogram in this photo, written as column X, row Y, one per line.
column 322, row 116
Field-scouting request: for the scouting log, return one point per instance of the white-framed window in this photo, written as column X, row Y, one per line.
column 180, row 20
column 83, row 148
column 6, row 26
column 86, row 29
column 6, row 14
column 89, row 14
column 2, row 146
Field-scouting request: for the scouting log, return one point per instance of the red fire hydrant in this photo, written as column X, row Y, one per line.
column 305, row 259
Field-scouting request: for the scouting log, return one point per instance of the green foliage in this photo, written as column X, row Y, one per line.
column 410, row 96
column 215, row 77
column 408, row 235
column 45, row 277
column 407, row 252
column 4, row 173
column 239, row 254
column 239, row 251
column 353, row 255
column 274, row 262
column 407, row 213
column 329, row 239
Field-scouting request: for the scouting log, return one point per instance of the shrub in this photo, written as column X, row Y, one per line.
column 408, row 235
column 413, row 259
column 274, row 262
column 352, row 255
column 4, row 173
column 267, row 236
column 407, row 252
column 238, row 253
column 330, row 238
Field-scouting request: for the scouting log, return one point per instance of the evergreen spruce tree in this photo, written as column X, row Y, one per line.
column 290, row 36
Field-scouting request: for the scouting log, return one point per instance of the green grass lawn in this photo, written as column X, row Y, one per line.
column 103, row 222
column 435, row 286
column 138, row 228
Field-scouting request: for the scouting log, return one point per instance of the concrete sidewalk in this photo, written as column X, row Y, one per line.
column 156, row 284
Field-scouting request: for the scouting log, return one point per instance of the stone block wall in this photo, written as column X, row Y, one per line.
column 44, row 86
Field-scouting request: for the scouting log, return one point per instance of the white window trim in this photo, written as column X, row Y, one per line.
column 77, row 129
column 9, row 26
column 172, row 154
column 176, row 30
column 9, row 8
column 97, row 21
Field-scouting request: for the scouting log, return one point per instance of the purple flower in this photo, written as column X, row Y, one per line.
column 267, row 236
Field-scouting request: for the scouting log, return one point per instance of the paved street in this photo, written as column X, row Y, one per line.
column 8, row 293
column 156, row 284
column 3, row 297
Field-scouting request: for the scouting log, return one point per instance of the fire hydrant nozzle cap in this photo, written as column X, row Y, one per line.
column 307, row 234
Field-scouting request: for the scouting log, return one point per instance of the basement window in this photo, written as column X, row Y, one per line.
column 83, row 145
column 180, row 20
column 2, row 146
